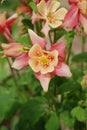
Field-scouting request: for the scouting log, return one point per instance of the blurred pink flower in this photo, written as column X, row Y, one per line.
column 46, row 63
column 76, row 15
column 6, row 24
column 12, row 49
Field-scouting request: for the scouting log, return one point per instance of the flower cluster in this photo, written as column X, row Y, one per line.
column 46, row 59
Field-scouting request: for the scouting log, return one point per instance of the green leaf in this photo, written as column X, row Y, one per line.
column 68, row 87
column 6, row 102
column 82, row 57
column 59, row 33
column 79, row 113
column 67, row 119
column 53, row 122
column 33, row 6
column 31, row 113
column 27, row 23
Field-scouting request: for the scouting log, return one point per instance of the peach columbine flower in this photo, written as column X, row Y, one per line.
column 6, row 24
column 46, row 63
column 77, row 15
column 50, row 13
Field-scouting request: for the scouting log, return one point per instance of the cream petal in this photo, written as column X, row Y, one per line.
column 53, row 6
column 42, row 8
column 34, row 64
column 60, row 14
column 35, row 51
column 55, row 24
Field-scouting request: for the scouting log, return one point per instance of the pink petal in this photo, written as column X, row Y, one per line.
column 8, row 35
column 62, row 70
column 21, row 61
column 11, row 20
column 72, row 17
column 45, row 29
column 37, row 39
column 12, row 49
column 60, row 47
column 73, row 1
column 44, row 80
column 83, row 21
column 35, row 17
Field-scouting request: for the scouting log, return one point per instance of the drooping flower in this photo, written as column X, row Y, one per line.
column 12, row 49
column 6, row 24
column 49, row 12
column 76, row 15
column 46, row 63
column 17, row 51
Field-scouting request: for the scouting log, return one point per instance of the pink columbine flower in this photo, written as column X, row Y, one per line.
column 49, row 12
column 46, row 63
column 6, row 24
column 12, row 49
column 77, row 15
column 17, row 51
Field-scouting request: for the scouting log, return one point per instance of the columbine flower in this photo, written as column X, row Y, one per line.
column 12, row 49
column 16, row 50
column 46, row 63
column 77, row 15
column 6, row 24
column 50, row 13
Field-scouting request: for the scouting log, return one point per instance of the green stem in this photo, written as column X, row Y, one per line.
column 68, row 54
column 12, row 71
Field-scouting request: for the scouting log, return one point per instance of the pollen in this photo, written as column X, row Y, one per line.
column 44, row 61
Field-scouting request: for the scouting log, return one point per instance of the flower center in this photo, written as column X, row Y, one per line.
column 44, row 61
column 50, row 18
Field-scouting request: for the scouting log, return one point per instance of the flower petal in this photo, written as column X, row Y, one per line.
column 55, row 24
column 11, row 20
column 83, row 21
column 12, row 49
column 8, row 35
column 45, row 29
column 35, row 17
column 73, row 1
column 21, row 61
column 53, row 5
column 60, row 14
column 60, row 47
column 37, row 39
column 72, row 17
column 62, row 70
column 44, row 80
column 42, row 8
column 2, row 19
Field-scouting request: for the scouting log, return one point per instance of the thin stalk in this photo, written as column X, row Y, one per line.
column 68, row 54
column 12, row 71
